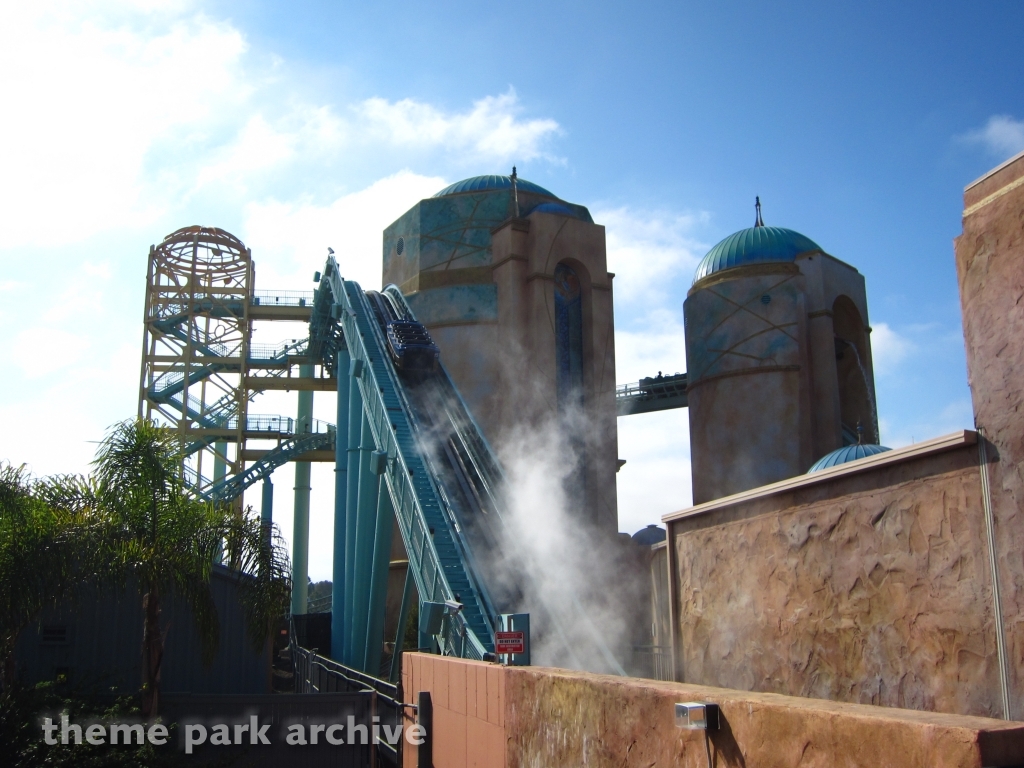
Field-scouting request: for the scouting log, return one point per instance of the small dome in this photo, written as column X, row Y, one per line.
column 489, row 183
column 650, row 535
column 847, row 453
column 754, row 245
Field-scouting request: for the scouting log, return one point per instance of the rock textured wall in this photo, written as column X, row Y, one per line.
column 990, row 268
column 489, row 716
column 870, row 588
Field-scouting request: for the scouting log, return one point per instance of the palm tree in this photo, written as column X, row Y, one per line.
column 46, row 552
column 162, row 538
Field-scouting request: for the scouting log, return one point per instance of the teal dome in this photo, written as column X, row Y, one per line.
column 847, row 453
column 488, row 183
column 752, row 246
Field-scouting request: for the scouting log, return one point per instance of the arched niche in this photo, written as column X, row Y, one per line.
column 572, row 305
column 854, row 372
column 572, row 289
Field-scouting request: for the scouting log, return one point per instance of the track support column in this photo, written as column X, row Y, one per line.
column 300, row 530
column 355, row 422
column 220, row 450
column 403, row 616
column 338, row 605
column 366, row 509
column 380, row 566
column 267, row 509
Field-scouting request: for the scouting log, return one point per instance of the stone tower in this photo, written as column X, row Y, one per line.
column 512, row 283
column 778, row 359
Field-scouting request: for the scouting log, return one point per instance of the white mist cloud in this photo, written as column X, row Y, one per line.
column 1002, row 136
column 585, row 589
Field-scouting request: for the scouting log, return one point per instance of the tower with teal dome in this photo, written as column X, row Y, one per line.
column 513, row 284
column 778, row 359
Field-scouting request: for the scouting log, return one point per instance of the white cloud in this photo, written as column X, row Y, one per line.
column 491, row 131
column 656, row 342
column 647, row 247
column 289, row 239
column 65, row 349
column 93, row 99
column 888, row 348
column 954, row 416
column 126, row 112
column 1002, row 136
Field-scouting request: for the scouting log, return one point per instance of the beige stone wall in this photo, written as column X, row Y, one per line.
column 990, row 268
column 872, row 588
column 489, row 716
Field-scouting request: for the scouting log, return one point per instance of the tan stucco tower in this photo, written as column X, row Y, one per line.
column 513, row 285
column 778, row 360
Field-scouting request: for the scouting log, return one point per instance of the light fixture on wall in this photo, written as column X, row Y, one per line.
column 697, row 716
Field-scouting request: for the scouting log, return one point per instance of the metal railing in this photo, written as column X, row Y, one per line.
column 654, row 386
column 653, row 393
column 316, row 674
column 320, row 604
column 278, row 352
column 282, row 298
column 265, row 422
column 653, row 662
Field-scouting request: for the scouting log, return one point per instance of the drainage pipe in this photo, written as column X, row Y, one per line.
column 997, row 601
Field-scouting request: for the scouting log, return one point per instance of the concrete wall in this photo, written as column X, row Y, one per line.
column 990, row 270
column 868, row 582
column 489, row 716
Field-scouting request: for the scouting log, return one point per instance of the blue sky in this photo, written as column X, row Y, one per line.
column 301, row 125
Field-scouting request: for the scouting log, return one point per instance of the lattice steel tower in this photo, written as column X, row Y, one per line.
column 199, row 289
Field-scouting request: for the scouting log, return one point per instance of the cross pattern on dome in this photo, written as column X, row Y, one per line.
column 769, row 326
column 455, row 237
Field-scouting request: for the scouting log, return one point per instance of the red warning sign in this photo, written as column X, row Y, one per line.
column 509, row 642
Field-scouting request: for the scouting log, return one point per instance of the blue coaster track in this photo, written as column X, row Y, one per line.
column 440, row 560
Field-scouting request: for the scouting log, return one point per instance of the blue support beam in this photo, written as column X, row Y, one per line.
column 403, row 617
column 353, row 430
column 338, row 604
column 379, row 575
column 366, row 524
